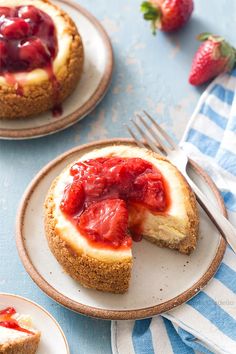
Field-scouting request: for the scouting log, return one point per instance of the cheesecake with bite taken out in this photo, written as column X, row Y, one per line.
column 108, row 198
column 17, row 333
column 41, row 57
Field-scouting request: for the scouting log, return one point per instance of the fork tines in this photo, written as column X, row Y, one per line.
column 152, row 134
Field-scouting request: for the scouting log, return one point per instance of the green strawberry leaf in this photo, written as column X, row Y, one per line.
column 151, row 13
column 145, row 6
column 229, row 52
column 149, row 16
column 225, row 49
column 203, row 36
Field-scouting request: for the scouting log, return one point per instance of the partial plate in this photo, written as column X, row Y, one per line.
column 90, row 90
column 161, row 278
column 52, row 339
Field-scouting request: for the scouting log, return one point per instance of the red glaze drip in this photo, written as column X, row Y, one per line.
column 7, row 321
column 8, row 311
column 28, row 41
column 11, row 80
column 104, row 190
column 57, row 110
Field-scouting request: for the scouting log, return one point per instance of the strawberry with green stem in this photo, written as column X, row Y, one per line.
column 213, row 57
column 167, row 15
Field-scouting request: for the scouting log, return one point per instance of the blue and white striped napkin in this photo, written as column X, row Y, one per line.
column 206, row 323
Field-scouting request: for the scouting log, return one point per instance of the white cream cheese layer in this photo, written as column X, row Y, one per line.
column 161, row 226
column 63, row 37
column 9, row 334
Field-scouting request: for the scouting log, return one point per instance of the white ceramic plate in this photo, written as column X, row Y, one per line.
column 161, row 278
column 52, row 339
column 90, row 90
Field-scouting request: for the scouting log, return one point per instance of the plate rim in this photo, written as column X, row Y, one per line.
column 88, row 106
column 94, row 311
column 45, row 311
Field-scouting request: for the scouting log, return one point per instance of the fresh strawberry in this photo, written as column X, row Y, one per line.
column 167, row 15
column 106, row 221
column 213, row 57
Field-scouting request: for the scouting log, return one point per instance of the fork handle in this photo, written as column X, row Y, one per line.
column 227, row 230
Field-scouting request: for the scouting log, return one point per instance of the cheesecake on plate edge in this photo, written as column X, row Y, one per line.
column 17, row 333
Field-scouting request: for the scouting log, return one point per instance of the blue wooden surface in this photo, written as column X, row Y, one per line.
column 151, row 73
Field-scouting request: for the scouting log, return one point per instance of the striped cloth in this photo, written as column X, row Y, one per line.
column 206, row 323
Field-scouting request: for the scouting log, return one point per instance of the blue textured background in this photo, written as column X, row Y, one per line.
column 151, row 73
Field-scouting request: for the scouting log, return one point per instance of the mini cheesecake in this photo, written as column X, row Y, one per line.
column 17, row 333
column 108, row 198
column 41, row 57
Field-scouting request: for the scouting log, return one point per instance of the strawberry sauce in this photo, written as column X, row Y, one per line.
column 28, row 41
column 7, row 321
column 105, row 191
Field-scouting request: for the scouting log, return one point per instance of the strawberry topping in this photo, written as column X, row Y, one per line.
column 106, row 221
column 27, row 39
column 102, row 191
column 8, row 311
column 7, row 321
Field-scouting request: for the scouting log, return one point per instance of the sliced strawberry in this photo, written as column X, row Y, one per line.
column 73, row 198
column 94, row 186
column 106, row 221
column 149, row 190
column 121, row 173
column 86, row 168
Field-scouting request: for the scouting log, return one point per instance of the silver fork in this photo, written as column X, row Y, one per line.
column 154, row 136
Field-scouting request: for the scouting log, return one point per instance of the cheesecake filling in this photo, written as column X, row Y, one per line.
column 171, row 226
column 102, row 193
column 13, row 325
